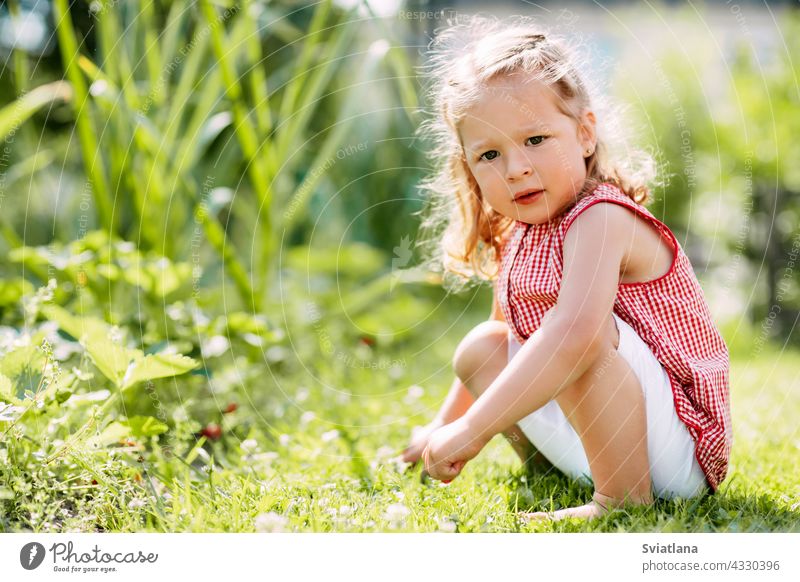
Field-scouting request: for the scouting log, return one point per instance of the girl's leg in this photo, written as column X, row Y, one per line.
column 479, row 358
column 606, row 407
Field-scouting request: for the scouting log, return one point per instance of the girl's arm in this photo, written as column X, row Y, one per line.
column 560, row 351
column 455, row 405
column 566, row 344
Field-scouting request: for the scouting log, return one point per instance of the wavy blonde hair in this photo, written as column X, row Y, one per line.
column 463, row 233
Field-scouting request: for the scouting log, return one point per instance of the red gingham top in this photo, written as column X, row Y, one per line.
column 669, row 313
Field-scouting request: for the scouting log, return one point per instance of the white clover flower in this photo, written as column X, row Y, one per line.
column 446, row 525
column 270, row 522
column 115, row 334
column 383, row 454
column 396, row 514
column 329, row 436
column 263, row 460
column 414, row 393
column 136, row 503
column 249, row 446
column 214, row 346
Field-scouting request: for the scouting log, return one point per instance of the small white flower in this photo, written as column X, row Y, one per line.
column 383, row 454
column 9, row 412
column 270, row 522
column 329, row 436
column 345, row 510
column 302, row 395
column 307, row 417
column 115, row 334
column 446, row 525
column 414, row 393
column 249, row 446
column 136, row 503
column 396, row 514
column 284, row 439
column 214, row 346
column 81, row 375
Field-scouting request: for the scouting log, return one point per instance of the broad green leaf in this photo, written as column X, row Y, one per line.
column 113, row 433
column 111, row 359
column 154, row 366
column 146, row 426
column 19, row 359
column 6, row 388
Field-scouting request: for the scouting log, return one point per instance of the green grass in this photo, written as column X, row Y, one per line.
column 305, row 481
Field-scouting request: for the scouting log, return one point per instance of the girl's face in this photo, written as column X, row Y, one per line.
column 527, row 156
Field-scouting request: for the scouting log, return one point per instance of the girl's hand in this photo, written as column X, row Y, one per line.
column 419, row 440
column 449, row 448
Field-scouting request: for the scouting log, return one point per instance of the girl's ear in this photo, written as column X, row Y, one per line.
column 587, row 130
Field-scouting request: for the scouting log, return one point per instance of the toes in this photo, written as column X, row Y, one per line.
column 537, row 516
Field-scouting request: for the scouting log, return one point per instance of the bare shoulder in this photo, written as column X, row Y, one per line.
column 647, row 255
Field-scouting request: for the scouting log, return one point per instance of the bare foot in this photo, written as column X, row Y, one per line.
column 588, row 511
column 598, row 507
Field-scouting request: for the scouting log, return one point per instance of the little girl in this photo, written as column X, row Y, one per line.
column 600, row 357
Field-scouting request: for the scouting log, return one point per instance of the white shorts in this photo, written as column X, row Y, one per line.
column 673, row 467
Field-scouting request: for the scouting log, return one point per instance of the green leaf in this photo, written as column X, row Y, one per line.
column 146, row 426
column 124, row 366
column 112, row 434
column 18, row 360
column 156, row 366
column 18, row 111
column 6, row 388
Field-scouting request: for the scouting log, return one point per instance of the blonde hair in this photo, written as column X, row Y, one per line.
column 463, row 232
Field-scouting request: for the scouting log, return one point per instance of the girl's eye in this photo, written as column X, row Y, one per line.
column 492, row 154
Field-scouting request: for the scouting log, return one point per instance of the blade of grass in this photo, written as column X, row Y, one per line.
column 310, row 42
column 92, row 160
column 245, row 132
column 292, row 129
column 346, row 118
column 13, row 115
column 21, row 69
column 152, row 49
column 257, row 80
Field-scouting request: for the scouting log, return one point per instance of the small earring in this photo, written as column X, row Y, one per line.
column 589, row 152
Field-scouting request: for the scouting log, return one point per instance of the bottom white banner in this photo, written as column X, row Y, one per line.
column 386, row 557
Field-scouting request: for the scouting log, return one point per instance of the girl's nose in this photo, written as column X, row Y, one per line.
column 518, row 167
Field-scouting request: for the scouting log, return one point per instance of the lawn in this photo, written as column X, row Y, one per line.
column 305, row 459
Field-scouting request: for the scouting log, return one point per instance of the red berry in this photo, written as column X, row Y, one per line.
column 367, row 341
column 212, row 432
column 230, row 408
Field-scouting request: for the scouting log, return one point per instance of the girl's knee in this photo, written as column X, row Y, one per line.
column 485, row 341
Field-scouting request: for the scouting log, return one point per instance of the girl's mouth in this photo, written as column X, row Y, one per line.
column 527, row 197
